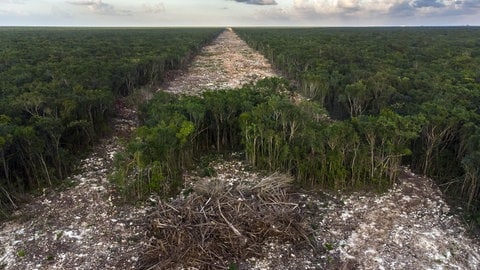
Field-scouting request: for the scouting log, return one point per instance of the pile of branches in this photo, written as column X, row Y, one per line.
column 218, row 225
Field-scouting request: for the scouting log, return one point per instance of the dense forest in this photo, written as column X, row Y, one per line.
column 412, row 95
column 58, row 88
column 363, row 102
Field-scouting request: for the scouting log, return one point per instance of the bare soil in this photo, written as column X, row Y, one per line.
column 228, row 62
column 409, row 227
column 81, row 226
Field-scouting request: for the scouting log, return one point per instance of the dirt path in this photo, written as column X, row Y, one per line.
column 226, row 63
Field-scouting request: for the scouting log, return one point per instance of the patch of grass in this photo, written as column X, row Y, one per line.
column 328, row 246
column 21, row 253
column 3, row 213
column 208, row 172
column 329, row 259
column 233, row 266
column 59, row 235
column 188, row 191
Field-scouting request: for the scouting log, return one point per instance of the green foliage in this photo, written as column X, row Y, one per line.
column 365, row 151
column 208, row 172
column 275, row 134
column 21, row 253
column 428, row 76
column 156, row 158
column 178, row 130
column 328, row 246
column 58, row 88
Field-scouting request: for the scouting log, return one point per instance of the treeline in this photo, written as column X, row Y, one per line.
column 58, row 86
column 275, row 133
column 428, row 74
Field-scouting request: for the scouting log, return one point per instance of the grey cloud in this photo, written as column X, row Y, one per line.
column 406, row 8
column 427, row 3
column 458, row 8
column 471, row 4
column 409, row 12
column 81, row 3
column 258, row 2
column 466, row 7
column 402, row 9
column 97, row 6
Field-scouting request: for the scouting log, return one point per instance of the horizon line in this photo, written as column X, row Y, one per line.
column 235, row 26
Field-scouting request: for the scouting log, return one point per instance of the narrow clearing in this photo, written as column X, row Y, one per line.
column 80, row 227
column 226, row 63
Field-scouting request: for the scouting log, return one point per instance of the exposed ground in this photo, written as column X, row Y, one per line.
column 80, row 226
column 226, row 63
column 409, row 226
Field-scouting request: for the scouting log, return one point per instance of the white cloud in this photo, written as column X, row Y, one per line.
column 99, row 7
column 345, row 6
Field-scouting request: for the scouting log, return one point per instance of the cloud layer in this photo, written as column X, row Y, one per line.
column 240, row 12
column 258, row 2
column 385, row 6
column 394, row 10
column 97, row 6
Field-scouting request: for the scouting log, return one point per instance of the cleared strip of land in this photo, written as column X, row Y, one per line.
column 226, row 63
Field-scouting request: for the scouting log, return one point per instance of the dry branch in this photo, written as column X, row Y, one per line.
column 194, row 232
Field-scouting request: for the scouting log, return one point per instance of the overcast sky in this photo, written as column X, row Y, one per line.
column 238, row 12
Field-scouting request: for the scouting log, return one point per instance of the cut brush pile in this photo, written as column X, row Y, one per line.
column 219, row 225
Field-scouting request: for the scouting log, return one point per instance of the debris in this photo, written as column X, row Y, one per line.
column 211, row 228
